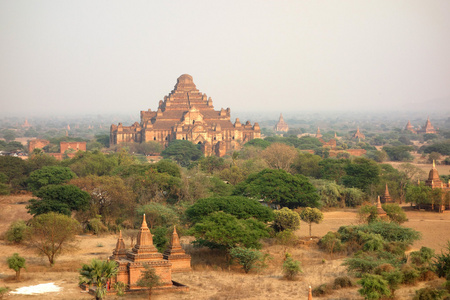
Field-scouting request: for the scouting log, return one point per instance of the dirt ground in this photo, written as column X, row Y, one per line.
column 209, row 279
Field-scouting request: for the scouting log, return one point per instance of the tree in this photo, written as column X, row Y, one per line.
column 368, row 213
column 158, row 214
column 311, row 215
column 98, row 273
column 49, row 175
column 442, row 262
column 9, row 135
column 279, row 187
column 279, row 156
column 399, row 153
column 148, row 148
column 247, row 258
column 183, row 152
column 307, row 164
column 374, row 287
column 224, row 231
column 238, row 206
column 286, row 219
column 51, row 233
column 59, row 198
column 333, row 169
column 92, row 163
column 16, row 263
column 108, row 196
column 149, row 279
column 361, row 173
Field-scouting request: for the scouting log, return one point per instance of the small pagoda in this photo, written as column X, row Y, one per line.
column 386, row 197
column 380, row 211
column 410, row 128
column 318, row 134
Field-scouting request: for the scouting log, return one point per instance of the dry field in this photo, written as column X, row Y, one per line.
column 210, row 277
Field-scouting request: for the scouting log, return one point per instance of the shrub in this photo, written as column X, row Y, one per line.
column 374, row 287
column 16, row 232
column 410, row 275
column 120, row 288
column 311, row 215
column 247, row 258
column 331, row 242
column 394, row 279
column 368, row 213
column 160, row 238
column 286, row 237
column 395, row 213
column 442, row 263
column 422, row 257
column 286, row 219
column 321, row 290
column 430, row 293
column 3, row 291
column 291, row 268
column 97, row 226
column 343, row 282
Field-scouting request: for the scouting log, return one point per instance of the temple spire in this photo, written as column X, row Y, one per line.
column 310, row 294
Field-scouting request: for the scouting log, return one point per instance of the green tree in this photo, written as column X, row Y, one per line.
column 224, row 231
column 149, row 148
column 361, row 173
column 374, row 287
column 59, row 198
column 158, row 214
column 307, row 164
column 238, row 206
column 183, row 152
column 16, row 263
column 98, row 273
column 286, row 219
column 247, row 258
column 311, row 215
column 442, row 262
column 92, row 163
column 399, row 153
column 51, row 233
column 15, row 170
column 333, row 169
column 49, row 175
column 9, row 135
column 149, row 279
column 279, row 187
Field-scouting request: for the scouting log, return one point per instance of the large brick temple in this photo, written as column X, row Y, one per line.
column 187, row 114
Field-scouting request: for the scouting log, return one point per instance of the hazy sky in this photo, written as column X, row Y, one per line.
column 124, row 56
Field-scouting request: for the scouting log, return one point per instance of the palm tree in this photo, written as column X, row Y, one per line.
column 98, row 273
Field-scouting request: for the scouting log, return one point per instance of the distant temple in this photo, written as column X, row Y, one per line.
column 26, row 124
column 187, row 114
column 132, row 262
column 386, row 197
column 281, row 125
column 358, row 135
column 318, row 134
column 428, row 128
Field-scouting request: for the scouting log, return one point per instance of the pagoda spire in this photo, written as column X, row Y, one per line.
column 380, row 209
column 310, row 293
column 144, row 237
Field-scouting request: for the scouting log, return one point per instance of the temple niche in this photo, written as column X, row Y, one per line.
column 187, row 114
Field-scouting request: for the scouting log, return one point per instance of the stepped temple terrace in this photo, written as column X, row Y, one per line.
column 187, row 114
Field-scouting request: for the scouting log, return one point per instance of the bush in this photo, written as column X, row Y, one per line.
column 422, row 257
column 430, row 293
column 286, row 237
column 395, row 213
column 16, row 263
column 410, row 275
column 343, row 282
column 442, row 263
column 160, row 238
column 291, row 268
column 331, row 242
column 16, row 232
column 368, row 213
column 394, row 279
column 321, row 290
column 3, row 291
column 247, row 258
column 286, row 219
column 374, row 287
column 97, row 226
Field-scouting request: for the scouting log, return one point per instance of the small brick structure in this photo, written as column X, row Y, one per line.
column 281, row 125
column 132, row 262
column 386, row 198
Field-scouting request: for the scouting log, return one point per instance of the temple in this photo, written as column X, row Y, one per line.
column 358, row 135
column 318, row 134
column 427, row 128
column 187, row 114
column 132, row 262
column 281, row 125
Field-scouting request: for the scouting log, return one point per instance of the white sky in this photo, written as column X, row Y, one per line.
column 124, row 56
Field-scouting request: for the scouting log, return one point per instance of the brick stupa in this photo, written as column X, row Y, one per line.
column 318, row 134
column 386, row 197
column 132, row 263
column 358, row 135
column 380, row 211
column 181, row 262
